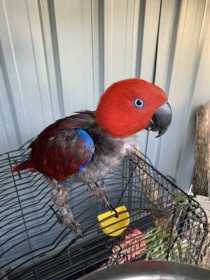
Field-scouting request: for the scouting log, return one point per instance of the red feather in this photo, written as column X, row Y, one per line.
column 58, row 152
column 22, row 166
column 116, row 112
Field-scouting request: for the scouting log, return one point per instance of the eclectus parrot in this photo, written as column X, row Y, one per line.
column 88, row 144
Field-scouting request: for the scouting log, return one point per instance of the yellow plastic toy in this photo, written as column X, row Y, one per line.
column 112, row 225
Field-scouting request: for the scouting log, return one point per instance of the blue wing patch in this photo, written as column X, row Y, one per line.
column 88, row 144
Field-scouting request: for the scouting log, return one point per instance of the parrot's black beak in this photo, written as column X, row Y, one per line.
column 161, row 119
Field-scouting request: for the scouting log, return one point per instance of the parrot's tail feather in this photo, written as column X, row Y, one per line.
column 22, row 166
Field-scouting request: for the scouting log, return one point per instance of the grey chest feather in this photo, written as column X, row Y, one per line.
column 109, row 152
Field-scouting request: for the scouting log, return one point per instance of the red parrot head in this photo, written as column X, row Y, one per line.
column 132, row 105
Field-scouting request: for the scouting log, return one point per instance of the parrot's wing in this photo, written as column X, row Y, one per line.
column 82, row 119
column 64, row 147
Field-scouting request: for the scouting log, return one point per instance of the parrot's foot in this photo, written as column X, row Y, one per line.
column 65, row 217
column 68, row 220
column 60, row 196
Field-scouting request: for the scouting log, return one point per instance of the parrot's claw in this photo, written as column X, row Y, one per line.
column 76, row 227
column 66, row 218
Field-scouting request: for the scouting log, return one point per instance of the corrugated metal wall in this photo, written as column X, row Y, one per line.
column 57, row 56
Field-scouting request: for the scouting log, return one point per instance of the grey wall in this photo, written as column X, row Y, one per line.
column 57, row 56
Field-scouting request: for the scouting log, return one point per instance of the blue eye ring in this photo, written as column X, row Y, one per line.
column 139, row 103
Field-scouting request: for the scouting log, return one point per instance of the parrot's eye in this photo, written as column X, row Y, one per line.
column 139, row 103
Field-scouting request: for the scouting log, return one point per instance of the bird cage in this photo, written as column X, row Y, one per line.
column 157, row 221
